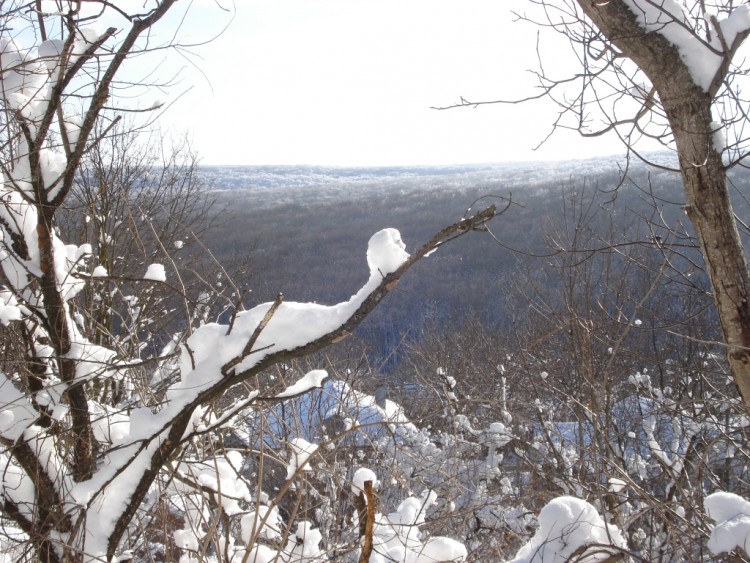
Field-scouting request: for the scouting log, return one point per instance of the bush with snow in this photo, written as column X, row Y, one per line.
column 569, row 526
column 731, row 529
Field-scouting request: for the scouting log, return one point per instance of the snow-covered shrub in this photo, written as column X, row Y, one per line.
column 731, row 529
column 570, row 527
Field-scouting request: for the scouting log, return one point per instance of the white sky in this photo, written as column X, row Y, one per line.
column 351, row 82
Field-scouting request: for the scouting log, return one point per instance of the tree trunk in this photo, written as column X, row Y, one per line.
column 710, row 210
column 688, row 109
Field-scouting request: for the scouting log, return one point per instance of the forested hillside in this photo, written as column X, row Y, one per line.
column 303, row 230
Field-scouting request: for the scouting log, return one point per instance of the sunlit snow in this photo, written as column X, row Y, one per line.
column 702, row 57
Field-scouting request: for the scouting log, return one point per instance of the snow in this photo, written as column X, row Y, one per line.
column 565, row 525
column 442, row 549
column 737, row 22
column 93, row 360
column 24, row 79
column 265, row 523
column 291, row 326
column 49, row 52
column 186, row 539
column 359, row 478
column 85, row 36
column 220, row 474
column 16, row 486
column 702, row 58
column 617, row 485
column 497, row 434
column 386, row 251
column 73, row 124
column 301, row 451
column 397, row 537
column 99, row 272
column 260, row 554
column 311, row 380
column 732, row 516
column 335, row 400
column 304, row 544
column 109, row 490
column 109, row 425
column 12, row 544
column 18, row 414
column 155, row 272
column 9, row 309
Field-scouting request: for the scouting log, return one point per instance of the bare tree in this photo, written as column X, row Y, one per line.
column 697, row 97
column 609, row 386
column 665, row 71
column 658, row 37
column 77, row 462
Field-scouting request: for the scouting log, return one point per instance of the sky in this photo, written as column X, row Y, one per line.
column 353, row 83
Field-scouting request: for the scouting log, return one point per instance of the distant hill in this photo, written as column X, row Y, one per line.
column 307, row 228
column 273, row 185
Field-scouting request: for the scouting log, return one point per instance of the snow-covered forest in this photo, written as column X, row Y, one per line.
column 178, row 385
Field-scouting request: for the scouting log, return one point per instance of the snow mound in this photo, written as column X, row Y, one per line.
column 732, row 516
column 567, row 524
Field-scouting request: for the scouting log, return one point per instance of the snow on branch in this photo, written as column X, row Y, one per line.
column 731, row 514
column 706, row 59
column 297, row 329
column 215, row 358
